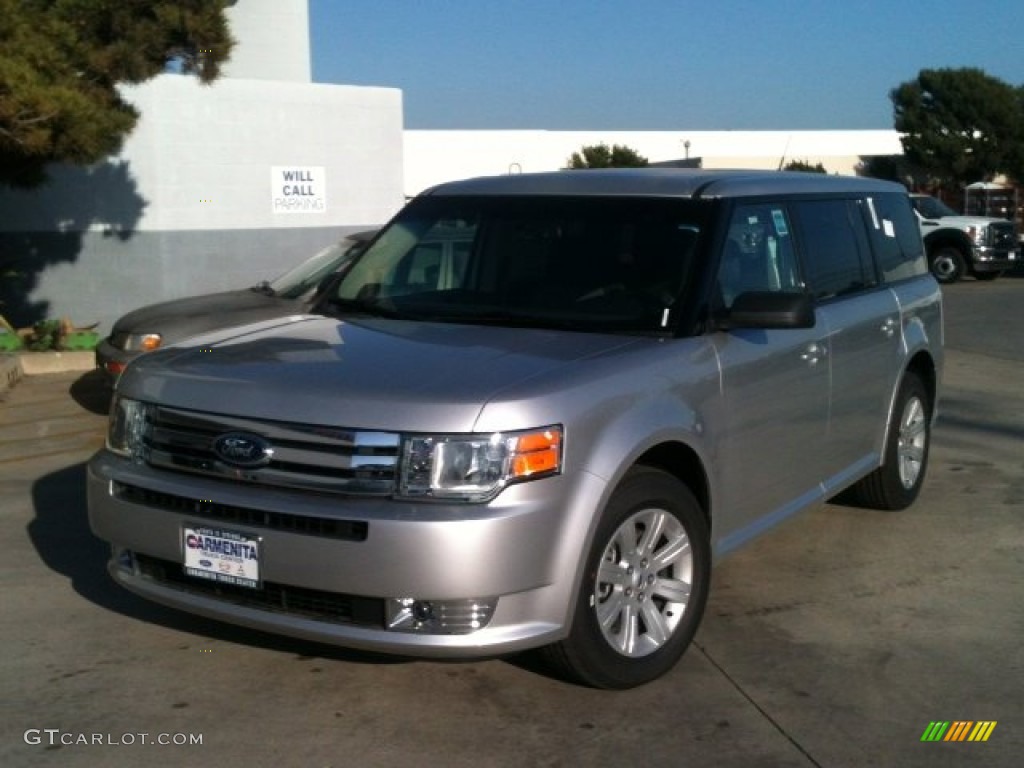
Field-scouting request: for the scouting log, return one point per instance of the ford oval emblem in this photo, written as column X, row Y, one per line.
column 243, row 450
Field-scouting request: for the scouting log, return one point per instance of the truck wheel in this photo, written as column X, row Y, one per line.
column 644, row 586
column 896, row 483
column 947, row 264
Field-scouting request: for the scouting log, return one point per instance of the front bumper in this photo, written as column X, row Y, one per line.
column 993, row 260
column 521, row 551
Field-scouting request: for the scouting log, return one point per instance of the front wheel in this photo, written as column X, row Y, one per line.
column 644, row 587
column 947, row 264
column 896, row 483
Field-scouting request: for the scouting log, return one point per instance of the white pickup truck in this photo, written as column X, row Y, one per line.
column 982, row 246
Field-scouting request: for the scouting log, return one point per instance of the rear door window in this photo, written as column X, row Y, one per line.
column 837, row 258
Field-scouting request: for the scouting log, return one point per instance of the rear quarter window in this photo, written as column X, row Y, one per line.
column 896, row 237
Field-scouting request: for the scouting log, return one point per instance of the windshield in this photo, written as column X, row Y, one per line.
column 588, row 264
column 932, row 207
column 302, row 279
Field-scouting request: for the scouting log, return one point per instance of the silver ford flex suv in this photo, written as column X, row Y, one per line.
column 532, row 414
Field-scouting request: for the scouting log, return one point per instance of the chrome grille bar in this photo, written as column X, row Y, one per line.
column 312, row 457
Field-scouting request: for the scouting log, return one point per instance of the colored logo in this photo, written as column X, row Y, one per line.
column 958, row 730
column 243, row 450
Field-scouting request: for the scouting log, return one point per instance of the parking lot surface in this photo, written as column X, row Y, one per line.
column 835, row 640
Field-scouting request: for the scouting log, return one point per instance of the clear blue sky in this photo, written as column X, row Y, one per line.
column 657, row 64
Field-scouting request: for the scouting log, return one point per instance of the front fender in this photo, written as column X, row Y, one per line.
column 949, row 236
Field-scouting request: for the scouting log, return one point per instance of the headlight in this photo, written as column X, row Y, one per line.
column 977, row 234
column 477, row 467
column 127, row 428
column 141, row 342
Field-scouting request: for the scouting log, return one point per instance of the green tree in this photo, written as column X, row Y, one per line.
column 960, row 125
column 804, row 167
column 1014, row 164
column 61, row 62
column 893, row 168
column 603, row 156
column 888, row 167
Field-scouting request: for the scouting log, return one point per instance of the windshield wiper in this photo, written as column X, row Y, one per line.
column 362, row 307
column 509, row 319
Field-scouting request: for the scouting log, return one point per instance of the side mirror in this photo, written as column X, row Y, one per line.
column 769, row 309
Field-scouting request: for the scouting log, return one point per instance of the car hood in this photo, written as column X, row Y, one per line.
column 370, row 373
column 965, row 221
column 181, row 318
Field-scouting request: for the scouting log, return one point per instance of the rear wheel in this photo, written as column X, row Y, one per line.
column 896, row 483
column 947, row 264
column 644, row 587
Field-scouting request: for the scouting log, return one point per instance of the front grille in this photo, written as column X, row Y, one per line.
column 207, row 509
column 1001, row 235
column 316, row 604
column 307, row 457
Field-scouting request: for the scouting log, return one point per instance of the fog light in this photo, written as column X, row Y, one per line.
column 439, row 617
column 123, row 559
column 422, row 611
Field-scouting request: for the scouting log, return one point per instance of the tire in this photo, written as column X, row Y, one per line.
column 986, row 276
column 633, row 619
column 897, row 482
column 947, row 264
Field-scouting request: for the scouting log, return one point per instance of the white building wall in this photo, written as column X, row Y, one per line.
column 272, row 40
column 186, row 206
column 434, row 156
column 203, row 154
column 200, row 157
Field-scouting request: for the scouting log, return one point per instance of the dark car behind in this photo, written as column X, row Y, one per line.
column 157, row 325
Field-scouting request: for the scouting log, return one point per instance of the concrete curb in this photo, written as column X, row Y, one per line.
column 14, row 366
column 10, row 371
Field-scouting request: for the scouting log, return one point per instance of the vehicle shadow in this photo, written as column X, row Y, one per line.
column 44, row 228
column 92, row 392
column 60, row 534
column 961, row 415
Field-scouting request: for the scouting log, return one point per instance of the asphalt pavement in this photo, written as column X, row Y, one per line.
column 835, row 640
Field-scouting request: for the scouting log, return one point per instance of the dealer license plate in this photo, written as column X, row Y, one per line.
column 219, row 555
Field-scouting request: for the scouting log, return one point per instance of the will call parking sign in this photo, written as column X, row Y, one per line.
column 298, row 189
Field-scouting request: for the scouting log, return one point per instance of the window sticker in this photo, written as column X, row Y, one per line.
column 780, row 222
column 874, row 216
column 888, row 228
column 752, row 219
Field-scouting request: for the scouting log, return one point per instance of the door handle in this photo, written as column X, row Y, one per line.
column 889, row 327
column 813, row 353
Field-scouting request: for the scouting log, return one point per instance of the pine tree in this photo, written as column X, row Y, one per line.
column 61, row 62
column 960, row 125
column 603, row 156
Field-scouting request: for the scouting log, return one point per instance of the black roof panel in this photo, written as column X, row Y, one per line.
column 664, row 182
